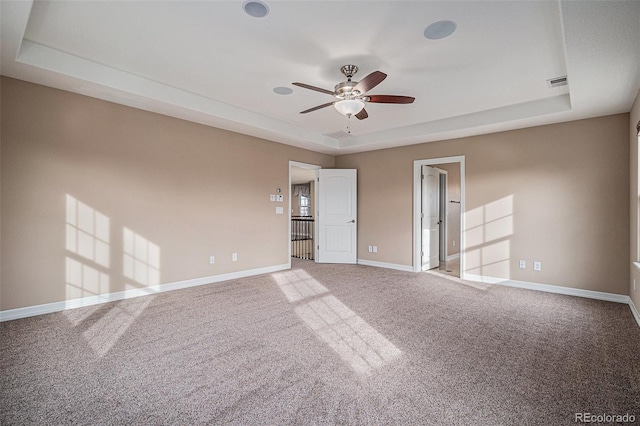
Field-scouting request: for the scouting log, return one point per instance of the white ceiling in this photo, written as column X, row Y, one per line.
column 209, row 62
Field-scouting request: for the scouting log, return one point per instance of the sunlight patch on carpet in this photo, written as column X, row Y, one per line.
column 359, row 345
column 298, row 285
column 102, row 335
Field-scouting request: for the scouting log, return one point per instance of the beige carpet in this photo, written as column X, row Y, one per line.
column 324, row 344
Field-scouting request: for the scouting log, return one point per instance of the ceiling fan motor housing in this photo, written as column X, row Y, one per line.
column 345, row 90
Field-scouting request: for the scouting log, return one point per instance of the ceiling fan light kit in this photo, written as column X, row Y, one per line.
column 351, row 94
column 349, row 106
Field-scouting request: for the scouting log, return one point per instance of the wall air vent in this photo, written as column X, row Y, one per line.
column 557, row 82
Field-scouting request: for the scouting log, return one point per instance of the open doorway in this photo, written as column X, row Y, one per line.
column 322, row 213
column 302, row 207
column 438, row 215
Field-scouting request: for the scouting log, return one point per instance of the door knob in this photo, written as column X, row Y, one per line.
column 352, row 221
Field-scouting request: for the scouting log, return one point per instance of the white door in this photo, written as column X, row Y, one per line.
column 430, row 218
column 337, row 228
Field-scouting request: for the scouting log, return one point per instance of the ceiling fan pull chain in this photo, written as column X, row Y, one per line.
column 349, row 123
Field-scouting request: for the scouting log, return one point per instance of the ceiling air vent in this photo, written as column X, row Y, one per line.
column 557, row 82
column 338, row 135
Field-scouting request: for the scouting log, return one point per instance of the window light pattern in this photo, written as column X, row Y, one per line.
column 141, row 261
column 87, row 232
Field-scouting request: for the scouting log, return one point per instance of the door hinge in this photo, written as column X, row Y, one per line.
column 421, row 254
column 422, row 215
column 318, row 246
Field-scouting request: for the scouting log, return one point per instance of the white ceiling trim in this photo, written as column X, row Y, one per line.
column 138, row 92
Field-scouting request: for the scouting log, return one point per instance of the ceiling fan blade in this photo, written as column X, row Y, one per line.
column 317, row 89
column 370, row 81
column 317, row 107
column 362, row 114
column 391, row 99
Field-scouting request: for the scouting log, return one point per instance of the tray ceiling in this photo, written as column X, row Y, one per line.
column 211, row 63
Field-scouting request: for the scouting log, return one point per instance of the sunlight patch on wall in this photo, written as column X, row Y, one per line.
column 358, row 344
column 487, row 235
column 141, row 259
column 87, row 232
column 84, row 281
column 87, row 236
column 88, row 275
column 492, row 260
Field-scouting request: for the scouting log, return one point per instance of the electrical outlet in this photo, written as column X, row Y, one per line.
column 272, row 197
column 537, row 266
column 370, row 249
column 212, row 259
column 523, row 264
column 454, row 243
column 375, row 249
column 234, row 257
column 280, row 198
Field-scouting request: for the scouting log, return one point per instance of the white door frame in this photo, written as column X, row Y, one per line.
column 444, row 212
column 315, row 198
column 417, row 208
column 426, row 252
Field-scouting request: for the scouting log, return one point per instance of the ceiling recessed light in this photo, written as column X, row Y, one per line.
column 255, row 8
column 440, row 29
column 283, row 90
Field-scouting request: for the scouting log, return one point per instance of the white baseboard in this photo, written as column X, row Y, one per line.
column 453, row 257
column 48, row 308
column 569, row 291
column 634, row 311
column 397, row 267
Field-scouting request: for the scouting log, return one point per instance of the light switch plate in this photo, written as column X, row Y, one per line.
column 279, row 210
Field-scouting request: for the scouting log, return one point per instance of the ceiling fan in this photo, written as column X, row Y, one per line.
column 351, row 95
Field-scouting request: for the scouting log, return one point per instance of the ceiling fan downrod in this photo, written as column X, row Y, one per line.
column 349, row 71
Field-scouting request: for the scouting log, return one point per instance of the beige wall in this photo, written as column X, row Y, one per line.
column 634, row 200
column 162, row 194
column 557, row 194
column 100, row 198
